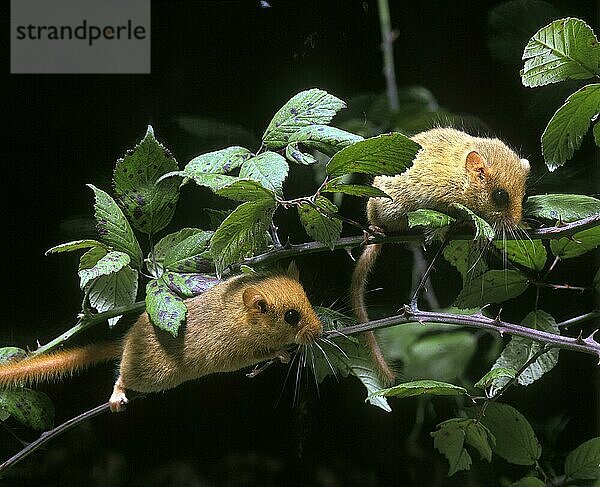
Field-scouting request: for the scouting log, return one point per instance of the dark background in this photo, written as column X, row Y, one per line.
column 237, row 63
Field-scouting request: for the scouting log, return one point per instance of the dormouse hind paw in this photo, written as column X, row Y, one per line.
column 118, row 400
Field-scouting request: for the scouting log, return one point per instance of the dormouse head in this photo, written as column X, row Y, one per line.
column 497, row 178
column 280, row 309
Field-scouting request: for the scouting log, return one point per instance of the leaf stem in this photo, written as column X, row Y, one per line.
column 388, row 36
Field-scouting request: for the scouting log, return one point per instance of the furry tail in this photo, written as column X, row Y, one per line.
column 357, row 295
column 57, row 364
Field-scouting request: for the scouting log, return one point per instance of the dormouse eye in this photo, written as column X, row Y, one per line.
column 292, row 317
column 500, row 198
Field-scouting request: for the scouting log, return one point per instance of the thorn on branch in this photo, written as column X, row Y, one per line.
column 590, row 339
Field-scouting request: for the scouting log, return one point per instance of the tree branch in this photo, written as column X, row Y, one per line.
column 579, row 344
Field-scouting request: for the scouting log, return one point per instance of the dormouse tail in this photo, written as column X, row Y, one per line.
column 357, row 295
column 56, row 365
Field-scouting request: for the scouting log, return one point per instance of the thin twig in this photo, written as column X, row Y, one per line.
column 592, row 315
column 387, row 48
column 579, row 344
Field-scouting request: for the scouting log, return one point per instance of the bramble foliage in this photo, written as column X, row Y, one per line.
column 184, row 263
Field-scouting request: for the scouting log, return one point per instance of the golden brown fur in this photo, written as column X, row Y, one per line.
column 237, row 323
column 452, row 167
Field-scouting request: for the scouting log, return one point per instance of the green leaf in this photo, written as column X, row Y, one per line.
column 515, row 440
column 7, row 354
column 385, row 154
column 246, row 190
column 91, row 258
column 241, row 233
column 114, row 290
column 337, row 185
column 269, row 169
column 569, row 124
column 110, row 263
column 208, row 180
column 31, row 408
column 319, row 226
column 421, row 387
column 529, row 253
column 189, row 285
column 528, row 482
column 561, row 207
column 308, row 107
column 429, row 219
column 565, row 49
column 449, row 440
column 149, row 205
column 74, row 245
column 169, row 243
column 324, row 138
column 579, row 244
column 294, row 154
column 467, row 257
column 519, row 350
column 596, row 131
column 480, row 438
column 493, row 375
column 347, row 357
column 217, row 162
column 191, row 254
column 113, row 227
column 166, row 310
column 483, row 230
column 216, row 217
column 583, row 463
column 494, row 286
column 512, row 24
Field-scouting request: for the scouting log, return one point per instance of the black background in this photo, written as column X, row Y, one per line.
column 236, row 62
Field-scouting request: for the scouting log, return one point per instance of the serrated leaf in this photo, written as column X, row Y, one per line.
column 197, row 259
column 31, row 408
column 519, row 350
column 324, row 138
column 483, row 230
column 166, row 309
column 528, row 482
column 480, row 438
column 467, row 257
column 578, row 244
column 91, row 258
column 269, row 169
column 108, row 264
column 385, row 154
column 428, row 218
column 346, row 357
column 421, row 387
column 149, row 205
column 583, row 463
column 114, row 290
column 512, row 24
column 246, row 190
column 515, row 440
column 294, row 154
column 493, row 286
column 113, row 227
column 494, row 374
column 319, row 226
column 449, row 440
column 529, row 253
column 217, row 162
column 241, row 233
column 189, row 285
column 190, row 254
column 565, row 49
column 561, row 207
column 8, row 354
column 337, row 185
column 208, row 180
column 308, row 107
column 566, row 128
column 74, row 245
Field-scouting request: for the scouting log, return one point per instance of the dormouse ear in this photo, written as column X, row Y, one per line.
column 254, row 300
column 475, row 166
column 293, row 272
